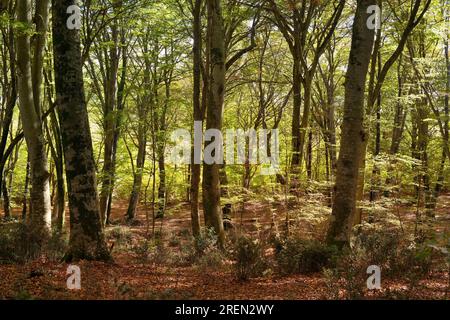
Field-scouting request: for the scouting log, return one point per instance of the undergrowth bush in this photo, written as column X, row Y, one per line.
column 150, row 251
column 202, row 252
column 398, row 257
column 120, row 236
column 249, row 256
column 19, row 243
column 207, row 254
column 210, row 260
column 295, row 255
column 206, row 241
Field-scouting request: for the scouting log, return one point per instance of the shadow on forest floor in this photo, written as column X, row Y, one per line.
column 164, row 268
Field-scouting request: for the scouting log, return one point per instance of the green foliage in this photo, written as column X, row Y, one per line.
column 250, row 260
column 121, row 237
column 207, row 241
column 295, row 255
column 20, row 243
column 398, row 258
column 207, row 254
column 397, row 255
column 150, row 251
column 211, row 260
column 23, row 294
column 350, row 273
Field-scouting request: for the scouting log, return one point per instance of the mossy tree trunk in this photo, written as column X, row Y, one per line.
column 86, row 234
column 211, row 182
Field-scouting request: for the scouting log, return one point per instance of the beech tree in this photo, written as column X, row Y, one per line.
column 353, row 136
column 86, row 233
column 214, row 110
column 29, row 83
column 135, row 111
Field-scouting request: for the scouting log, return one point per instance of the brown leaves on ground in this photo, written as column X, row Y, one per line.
column 132, row 278
column 47, row 280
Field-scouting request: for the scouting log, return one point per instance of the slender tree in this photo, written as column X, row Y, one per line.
column 32, row 125
column 353, row 135
column 211, row 183
column 198, row 113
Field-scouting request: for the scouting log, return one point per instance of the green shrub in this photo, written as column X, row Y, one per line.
column 210, row 260
column 150, row 251
column 20, row 242
column 205, row 252
column 57, row 245
column 381, row 247
column 174, row 241
column 398, row 258
column 249, row 256
column 351, row 273
column 121, row 236
column 23, row 294
column 206, row 241
column 304, row 256
column 201, row 251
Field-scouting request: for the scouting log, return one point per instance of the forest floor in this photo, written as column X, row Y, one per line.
column 141, row 273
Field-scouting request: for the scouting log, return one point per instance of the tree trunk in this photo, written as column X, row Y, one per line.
column 400, row 115
column 40, row 215
column 305, row 116
column 25, row 192
column 198, row 115
column 110, row 119
column 118, row 123
column 397, row 131
column 143, row 109
column 11, row 99
column 375, row 86
column 332, row 136
column 162, row 184
column 137, row 180
column 6, row 204
column 211, row 183
column 39, row 40
column 309, row 152
column 60, row 186
column 58, row 159
column 86, row 234
column 440, row 179
column 297, row 102
column 375, row 180
column 353, row 135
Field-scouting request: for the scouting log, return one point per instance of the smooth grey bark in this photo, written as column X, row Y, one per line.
column 198, row 114
column 109, row 121
column 118, row 118
column 143, row 110
column 59, row 203
column 211, row 182
column 137, row 179
column 40, row 215
column 353, row 134
column 41, row 18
